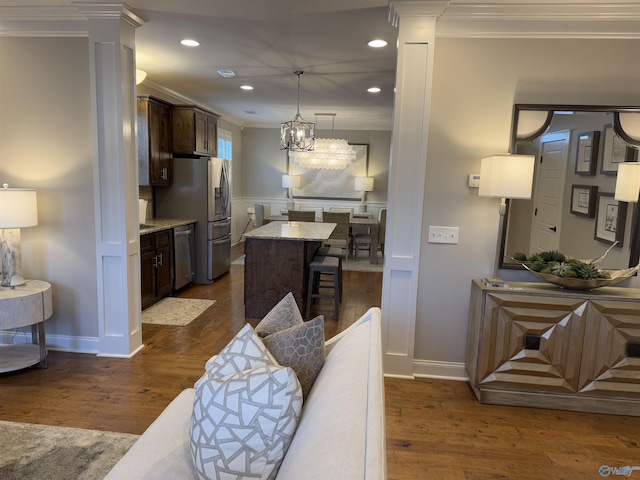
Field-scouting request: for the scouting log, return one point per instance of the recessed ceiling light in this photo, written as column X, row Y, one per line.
column 373, row 90
column 377, row 43
column 246, row 87
column 187, row 42
column 226, row 73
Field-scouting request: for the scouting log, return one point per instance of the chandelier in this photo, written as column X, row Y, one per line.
column 297, row 135
column 329, row 153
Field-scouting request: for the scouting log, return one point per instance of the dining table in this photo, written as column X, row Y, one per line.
column 354, row 221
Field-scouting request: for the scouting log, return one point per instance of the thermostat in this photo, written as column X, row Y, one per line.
column 474, row 180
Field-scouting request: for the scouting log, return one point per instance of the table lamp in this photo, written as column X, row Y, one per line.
column 290, row 182
column 18, row 209
column 364, row 185
column 505, row 176
column 628, row 182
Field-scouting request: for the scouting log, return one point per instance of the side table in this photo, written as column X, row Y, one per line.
column 28, row 304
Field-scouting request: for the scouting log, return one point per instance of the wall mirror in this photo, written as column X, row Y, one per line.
column 577, row 149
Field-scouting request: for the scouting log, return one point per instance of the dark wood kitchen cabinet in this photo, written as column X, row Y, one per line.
column 155, row 160
column 195, row 131
column 156, row 264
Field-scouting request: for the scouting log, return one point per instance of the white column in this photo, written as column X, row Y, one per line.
column 113, row 98
column 416, row 21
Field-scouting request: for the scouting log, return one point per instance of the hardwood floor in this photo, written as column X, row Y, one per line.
column 435, row 428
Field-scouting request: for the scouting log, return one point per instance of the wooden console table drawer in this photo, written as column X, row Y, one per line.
column 541, row 346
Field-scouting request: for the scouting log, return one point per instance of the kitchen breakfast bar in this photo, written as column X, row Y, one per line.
column 277, row 257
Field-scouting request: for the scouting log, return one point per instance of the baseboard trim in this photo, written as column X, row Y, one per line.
column 62, row 343
column 441, row 370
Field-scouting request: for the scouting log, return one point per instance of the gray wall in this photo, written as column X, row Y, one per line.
column 264, row 163
column 476, row 83
column 46, row 144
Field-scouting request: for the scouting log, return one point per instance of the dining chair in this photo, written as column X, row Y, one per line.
column 362, row 239
column 318, row 211
column 258, row 209
column 340, row 235
column 299, row 216
column 342, row 210
column 382, row 228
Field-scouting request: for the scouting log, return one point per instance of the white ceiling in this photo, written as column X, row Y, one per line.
column 265, row 41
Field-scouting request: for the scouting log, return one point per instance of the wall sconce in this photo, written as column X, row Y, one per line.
column 18, row 209
column 290, row 182
column 505, row 176
column 364, row 185
column 140, row 76
column 628, row 182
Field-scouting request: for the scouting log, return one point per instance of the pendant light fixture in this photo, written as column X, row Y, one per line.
column 297, row 135
column 329, row 153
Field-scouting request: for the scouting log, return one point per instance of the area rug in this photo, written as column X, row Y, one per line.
column 36, row 452
column 174, row 311
column 362, row 264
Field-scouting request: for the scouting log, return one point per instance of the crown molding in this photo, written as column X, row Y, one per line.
column 515, row 19
column 62, row 20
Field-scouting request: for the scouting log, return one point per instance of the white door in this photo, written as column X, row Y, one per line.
column 551, row 170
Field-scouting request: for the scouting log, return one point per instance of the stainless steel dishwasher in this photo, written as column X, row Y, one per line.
column 183, row 256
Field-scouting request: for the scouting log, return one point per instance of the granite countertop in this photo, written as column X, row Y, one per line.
column 153, row 225
column 313, row 231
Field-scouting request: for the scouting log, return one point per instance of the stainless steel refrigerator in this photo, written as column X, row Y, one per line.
column 201, row 190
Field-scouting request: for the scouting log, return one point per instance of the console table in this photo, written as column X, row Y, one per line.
column 537, row 345
column 26, row 305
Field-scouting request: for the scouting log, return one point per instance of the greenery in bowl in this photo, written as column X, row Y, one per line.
column 565, row 271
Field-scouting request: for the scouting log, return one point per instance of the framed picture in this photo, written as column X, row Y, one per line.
column 614, row 152
column 583, row 200
column 587, row 153
column 322, row 183
column 610, row 219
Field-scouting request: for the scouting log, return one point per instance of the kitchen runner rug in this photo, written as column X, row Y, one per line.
column 175, row 311
column 35, row 452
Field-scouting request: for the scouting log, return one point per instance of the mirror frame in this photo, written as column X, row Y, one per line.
column 634, row 257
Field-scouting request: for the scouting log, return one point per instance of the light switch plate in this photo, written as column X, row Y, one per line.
column 443, row 234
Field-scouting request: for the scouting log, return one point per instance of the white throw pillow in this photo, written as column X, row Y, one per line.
column 243, row 352
column 243, row 420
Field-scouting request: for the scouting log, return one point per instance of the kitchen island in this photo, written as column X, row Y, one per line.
column 277, row 257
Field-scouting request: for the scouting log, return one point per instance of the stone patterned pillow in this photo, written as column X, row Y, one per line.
column 242, row 424
column 243, row 352
column 284, row 315
column 245, row 411
column 300, row 347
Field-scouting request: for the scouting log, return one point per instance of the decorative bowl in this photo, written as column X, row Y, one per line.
column 617, row 276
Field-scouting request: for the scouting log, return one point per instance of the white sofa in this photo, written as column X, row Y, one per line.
column 341, row 433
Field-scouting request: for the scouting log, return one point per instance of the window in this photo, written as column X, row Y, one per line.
column 225, row 144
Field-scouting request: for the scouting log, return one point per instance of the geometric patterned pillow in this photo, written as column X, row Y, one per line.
column 242, row 424
column 284, row 315
column 243, row 352
column 300, row 347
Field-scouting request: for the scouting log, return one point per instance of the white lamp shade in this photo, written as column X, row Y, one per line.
column 290, row 181
column 364, row 184
column 506, row 176
column 628, row 182
column 18, row 208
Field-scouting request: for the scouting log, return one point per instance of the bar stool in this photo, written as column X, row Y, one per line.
column 333, row 252
column 328, row 266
